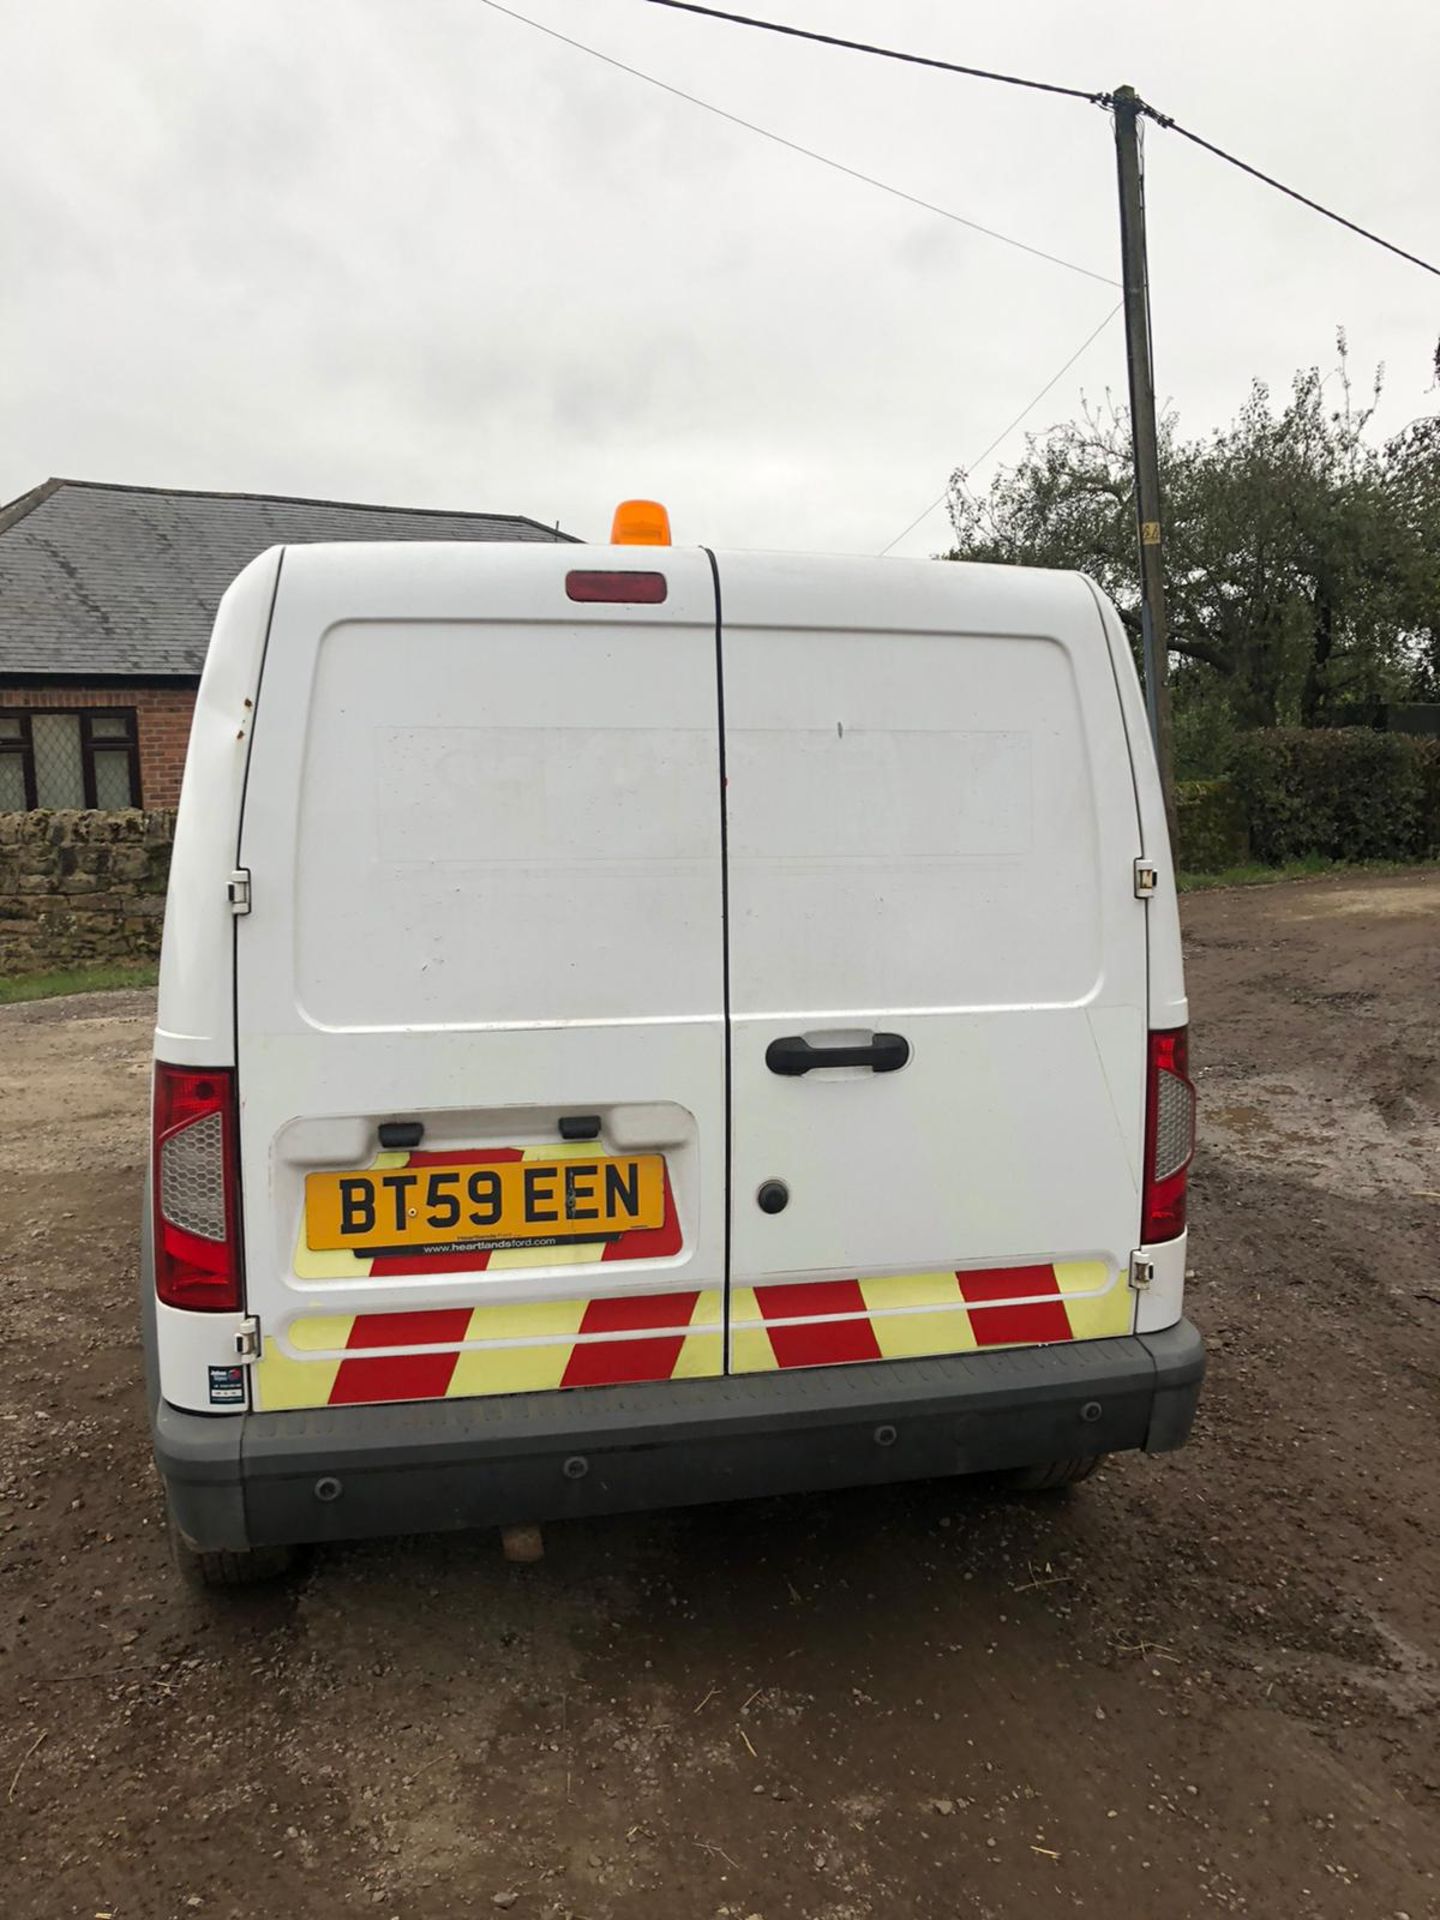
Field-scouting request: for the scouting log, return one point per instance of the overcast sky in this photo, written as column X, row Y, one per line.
column 422, row 254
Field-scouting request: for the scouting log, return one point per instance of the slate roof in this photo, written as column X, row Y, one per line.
column 105, row 580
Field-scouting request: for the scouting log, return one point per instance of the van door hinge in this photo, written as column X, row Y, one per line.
column 239, row 890
column 247, row 1339
column 1147, row 879
column 1142, row 1272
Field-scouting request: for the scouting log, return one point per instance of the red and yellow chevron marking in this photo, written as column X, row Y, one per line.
column 529, row 1346
column 526, row 1346
column 830, row 1323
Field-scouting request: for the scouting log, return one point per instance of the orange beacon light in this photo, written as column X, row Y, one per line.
column 640, row 523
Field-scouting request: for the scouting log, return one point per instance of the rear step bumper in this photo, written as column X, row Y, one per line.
column 343, row 1473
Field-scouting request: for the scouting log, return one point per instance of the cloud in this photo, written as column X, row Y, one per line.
column 426, row 255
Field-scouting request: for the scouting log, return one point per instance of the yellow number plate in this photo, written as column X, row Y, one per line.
column 450, row 1209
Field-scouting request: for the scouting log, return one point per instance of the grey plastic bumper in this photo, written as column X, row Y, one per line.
column 341, row 1473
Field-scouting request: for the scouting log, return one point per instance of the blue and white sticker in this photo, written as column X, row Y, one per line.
column 227, row 1386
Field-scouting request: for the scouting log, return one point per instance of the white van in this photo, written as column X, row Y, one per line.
column 642, row 1026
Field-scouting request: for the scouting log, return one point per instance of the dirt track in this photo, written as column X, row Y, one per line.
column 1201, row 1684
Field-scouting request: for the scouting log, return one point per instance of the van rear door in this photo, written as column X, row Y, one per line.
column 480, row 1010
column 937, row 962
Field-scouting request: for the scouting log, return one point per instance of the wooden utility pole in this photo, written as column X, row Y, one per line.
column 1154, row 628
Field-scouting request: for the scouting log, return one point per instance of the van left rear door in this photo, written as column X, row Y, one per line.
column 480, row 1006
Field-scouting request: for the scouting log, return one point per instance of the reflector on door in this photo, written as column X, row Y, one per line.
column 830, row 1323
column 526, row 1346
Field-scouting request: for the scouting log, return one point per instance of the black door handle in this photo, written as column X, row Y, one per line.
column 884, row 1053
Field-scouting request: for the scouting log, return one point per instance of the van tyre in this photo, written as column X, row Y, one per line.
column 227, row 1569
column 1048, row 1475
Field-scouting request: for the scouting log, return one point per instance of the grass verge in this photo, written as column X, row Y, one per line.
column 45, row 986
column 1312, row 867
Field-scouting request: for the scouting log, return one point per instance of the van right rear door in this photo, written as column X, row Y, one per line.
column 937, row 962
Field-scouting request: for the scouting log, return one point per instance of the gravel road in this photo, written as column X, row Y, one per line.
column 1200, row 1684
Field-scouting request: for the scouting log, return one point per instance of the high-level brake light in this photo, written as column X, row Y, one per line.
column 616, row 587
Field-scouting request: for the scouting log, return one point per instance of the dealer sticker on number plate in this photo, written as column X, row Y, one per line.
column 460, row 1208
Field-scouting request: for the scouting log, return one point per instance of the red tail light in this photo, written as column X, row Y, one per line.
column 197, row 1214
column 1169, row 1136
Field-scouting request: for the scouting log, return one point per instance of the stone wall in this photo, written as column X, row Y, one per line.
column 81, row 889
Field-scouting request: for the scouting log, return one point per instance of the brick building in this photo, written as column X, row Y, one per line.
column 107, row 597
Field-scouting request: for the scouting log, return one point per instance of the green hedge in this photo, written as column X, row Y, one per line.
column 1346, row 793
column 1210, row 831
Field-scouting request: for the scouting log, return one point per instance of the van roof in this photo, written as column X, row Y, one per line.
column 834, row 591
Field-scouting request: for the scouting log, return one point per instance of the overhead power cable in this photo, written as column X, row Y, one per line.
column 1005, row 432
column 885, row 53
column 809, row 153
column 1098, row 99
column 1174, row 126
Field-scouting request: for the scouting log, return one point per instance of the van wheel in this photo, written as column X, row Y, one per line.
column 1046, row 1475
column 227, row 1569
